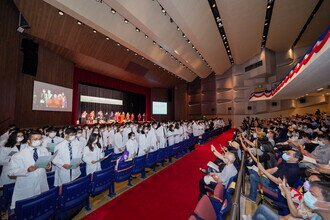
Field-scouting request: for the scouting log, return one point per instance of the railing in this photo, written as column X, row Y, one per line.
column 240, row 187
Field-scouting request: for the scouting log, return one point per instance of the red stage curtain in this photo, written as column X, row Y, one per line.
column 85, row 76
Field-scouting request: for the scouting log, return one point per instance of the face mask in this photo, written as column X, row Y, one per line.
column 52, row 134
column 121, row 130
column 310, row 200
column 36, row 143
column 133, row 138
column 95, row 132
column 71, row 138
column 286, row 157
column 60, row 132
column 307, row 185
column 79, row 135
column 145, row 131
column 19, row 139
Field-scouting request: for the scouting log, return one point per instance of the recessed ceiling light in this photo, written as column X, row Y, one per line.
column 266, row 24
column 183, row 35
column 94, row 31
column 268, row 6
column 126, row 21
column 118, row 44
column 154, row 43
column 113, row 11
column 188, row 41
column 163, row 10
column 79, row 23
column 135, row 54
column 61, row 13
column 213, row 6
column 146, row 36
column 127, row 49
column 107, row 38
column 178, row 28
column 137, row 29
column 306, row 94
column 142, row 58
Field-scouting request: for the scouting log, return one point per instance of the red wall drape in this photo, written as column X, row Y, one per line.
column 85, row 76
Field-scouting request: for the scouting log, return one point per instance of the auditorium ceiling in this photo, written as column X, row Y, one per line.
column 163, row 42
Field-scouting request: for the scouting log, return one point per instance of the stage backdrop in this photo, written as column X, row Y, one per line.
column 93, row 84
column 128, row 101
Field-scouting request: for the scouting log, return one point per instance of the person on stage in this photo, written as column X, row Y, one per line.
column 132, row 117
column 128, row 116
column 139, row 117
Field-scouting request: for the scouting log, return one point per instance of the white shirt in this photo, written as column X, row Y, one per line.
column 63, row 175
column 143, row 145
column 152, row 140
column 89, row 156
column 160, row 132
column 118, row 143
column 170, row 137
column 132, row 148
column 28, row 184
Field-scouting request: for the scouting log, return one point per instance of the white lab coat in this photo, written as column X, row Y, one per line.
column 28, row 184
column 195, row 130
column 160, row 132
column 111, row 138
column 132, row 148
column 89, row 156
column 4, row 162
column 152, row 140
column 82, row 143
column 143, row 145
column 63, row 175
column 118, row 143
column 170, row 137
column 86, row 133
column 125, row 134
column 177, row 135
column 46, row 140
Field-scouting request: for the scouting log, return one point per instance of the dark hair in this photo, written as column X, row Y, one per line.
column 91, row 140
column 33, row 132
column 12, row 139
column 51, row 129
column 325, row 189
column 70, row 130
column 130, row 135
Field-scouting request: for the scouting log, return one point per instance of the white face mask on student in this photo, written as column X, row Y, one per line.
column 52, row 134
column 19, row 139
column 36, row 143
column 71, row 138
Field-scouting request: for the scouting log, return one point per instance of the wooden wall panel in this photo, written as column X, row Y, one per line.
column 9, row 56
column 52, row 69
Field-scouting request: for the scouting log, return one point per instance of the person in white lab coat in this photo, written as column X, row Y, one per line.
column 126, row 131
column 132, row 145
column 68, row 150
column 93, row 153
column 143, row 144
column 111, row 136
column 30, row 180
column 51, row 138
column 119, row 146
column 170, row 135
column 161, row 134
column 4, row 137
column 79, row 137
column 177, row 133
column 152, row 138
column 14, row 144
column 86, row 132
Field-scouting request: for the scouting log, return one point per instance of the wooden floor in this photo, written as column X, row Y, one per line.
column 120, row 188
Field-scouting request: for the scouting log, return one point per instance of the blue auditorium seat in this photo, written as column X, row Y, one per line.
column 8, row 190
column 124, row 172
column 151, row 160
column 168, row 153
column 176, row 148
column 50, row 179
column 101, row 181
column 139, row 166
column 74, row 196
column 161, row 156
column 42, row 206
column 107, row 163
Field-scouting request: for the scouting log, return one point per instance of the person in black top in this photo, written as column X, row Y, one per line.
column 289, row 169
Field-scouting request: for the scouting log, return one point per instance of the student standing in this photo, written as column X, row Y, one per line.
column 93, row 153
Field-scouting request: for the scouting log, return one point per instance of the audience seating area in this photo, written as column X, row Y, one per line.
column 66, row 201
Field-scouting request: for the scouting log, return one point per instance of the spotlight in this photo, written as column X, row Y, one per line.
column 127, row 49
column 137, row 29
column 268, row 6
column 118, row 44
column 178, row 28
column 94, row 31
column 79, row 23
column 160, row 47
column 107, row 38
column 188, row 41
column 193, row 47
column 113, row 11
column 135, row 54
column 154, row 43
column 61, row 13
column 142, row 58
column 163, row 10
column 266, row 24
column 183, row 35
column 126, row 21
column 146, row 36
column 213, row 6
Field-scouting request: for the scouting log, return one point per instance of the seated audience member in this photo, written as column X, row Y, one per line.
column 30, row 180
column 67, row 158
column 132, row 145
column 14, row 144
column 322, row 151
column 92, row 154
column 223, row 177
column 289, row 168
column 314, row 205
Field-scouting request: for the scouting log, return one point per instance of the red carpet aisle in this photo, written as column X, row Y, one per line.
column 169, row 194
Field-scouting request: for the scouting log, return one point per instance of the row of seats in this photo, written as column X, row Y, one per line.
column 66, row 202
